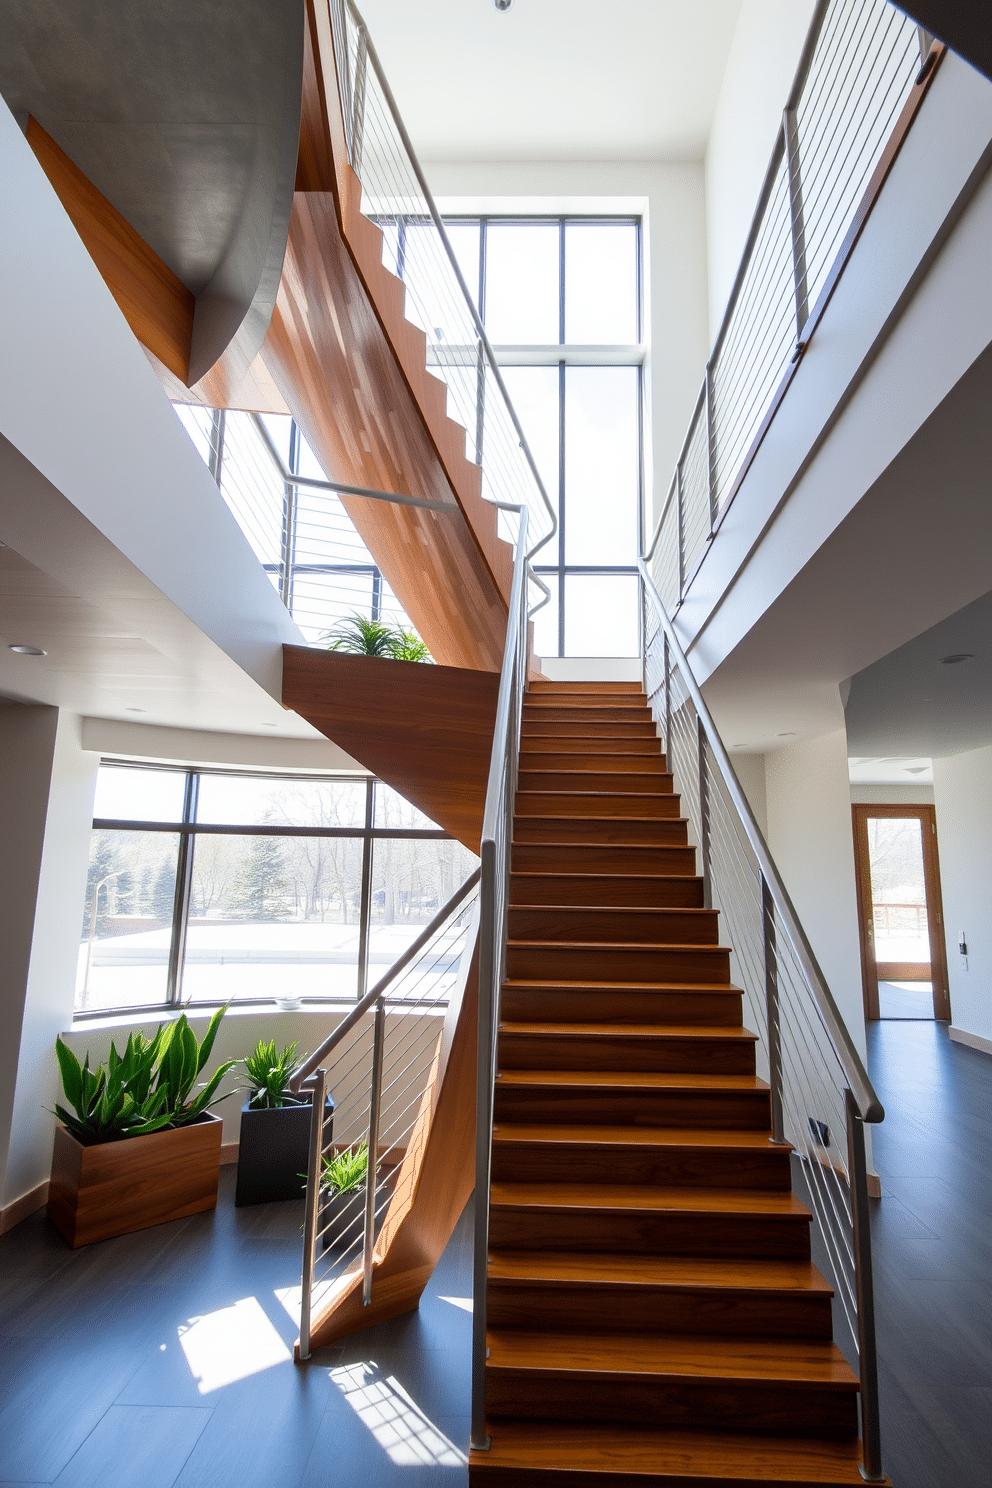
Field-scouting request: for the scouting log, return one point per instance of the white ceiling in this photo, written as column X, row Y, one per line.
column 888, row 771
column 554, row 79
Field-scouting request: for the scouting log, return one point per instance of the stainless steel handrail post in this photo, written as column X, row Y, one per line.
column 790, row 129
column 871, row 1469
column 668, row 703
column 680, row 525
column 483, row 1141
column 372, row 1168
column 704, row 813
column 312, row 1207
column 711, row 470
column 218, row 424
column 772, row 1012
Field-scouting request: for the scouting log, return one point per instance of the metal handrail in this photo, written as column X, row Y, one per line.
column 869, row 1106
column 314, row 1060
column 495, row 854
column 372, row 57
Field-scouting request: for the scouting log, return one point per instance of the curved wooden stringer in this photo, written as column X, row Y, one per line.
column 435, row 1180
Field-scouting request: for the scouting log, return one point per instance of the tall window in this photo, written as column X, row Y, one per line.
column 561, row 301
column 210, row 886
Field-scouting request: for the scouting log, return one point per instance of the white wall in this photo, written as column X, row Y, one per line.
column 760, row 69
column 962, row 787
column 750, row 770
column 892, row 795
column 810, row 837
column 671, row 195
column 49, row 780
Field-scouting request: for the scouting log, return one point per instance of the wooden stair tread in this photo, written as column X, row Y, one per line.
column 788, row 1361
column 634, row 1198
column 727, row 989
column 634, row 1079
column 627, row 1270
column 688, row 1031
column 638, row 1136
column 624, row 1454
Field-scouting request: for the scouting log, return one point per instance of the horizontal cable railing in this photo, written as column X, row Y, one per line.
column 416, row 247
column 863, row 71
column 296, row 524
column 821, row 1096
column 381, row 1064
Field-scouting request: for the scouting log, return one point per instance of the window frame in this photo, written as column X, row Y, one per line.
column 188, row 828
column 562, row 355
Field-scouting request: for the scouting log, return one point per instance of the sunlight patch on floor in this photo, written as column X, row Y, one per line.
column 394, row 1418
column 465, row 1303
column 231, row 1344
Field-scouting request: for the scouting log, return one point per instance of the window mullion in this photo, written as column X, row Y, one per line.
column 184, row 881
column 365, row 912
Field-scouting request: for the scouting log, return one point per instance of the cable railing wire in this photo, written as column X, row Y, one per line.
column 860, row 66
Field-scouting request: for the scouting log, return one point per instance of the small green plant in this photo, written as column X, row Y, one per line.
column 146, row 1089
column 361, row 637
column 269, row 1074
column 346, row 1171
column 358, row 636
column 409, row 647
column 116, row 1102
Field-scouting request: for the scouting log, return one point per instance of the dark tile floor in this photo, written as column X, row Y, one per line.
column 164, row 1358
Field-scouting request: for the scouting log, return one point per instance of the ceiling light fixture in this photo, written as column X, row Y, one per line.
column 957, row 656
column 916, row 769
column 790, row 735
column 502, row 4
column 27, row 650
column 134, row 710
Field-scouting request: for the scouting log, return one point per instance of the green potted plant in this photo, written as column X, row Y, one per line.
column 342, row 1189
column 136, row 1144
column 356, row 635
column 275, row 1128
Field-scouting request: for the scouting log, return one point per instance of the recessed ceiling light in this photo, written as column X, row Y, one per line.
column 27, row 650
column 790, row 735
column 502, row 4
column 957, row 656
column 916, row 769
column 269, row 725
column 134, row 710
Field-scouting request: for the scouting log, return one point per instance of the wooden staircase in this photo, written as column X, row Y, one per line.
column 653, row 1313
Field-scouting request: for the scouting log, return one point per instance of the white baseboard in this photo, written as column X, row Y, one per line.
column 12, row 1214
column 228, row 1153
column 973, row 1040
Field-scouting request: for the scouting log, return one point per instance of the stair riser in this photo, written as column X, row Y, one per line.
column 620, row 1005
column 632, row 755
column 680, row 1167
column 524, row 1228
column 554, row 1105
column 578, row 728
column 705, row 965
column 764, row 1409
column 673, row 892
column 595, row 1307
column 533, row 853
column 662, row 807
column 485, row 1471
column 551, row 687
column 537, row 778
column 584, row 704
column 702, row 1057
column 619, row 926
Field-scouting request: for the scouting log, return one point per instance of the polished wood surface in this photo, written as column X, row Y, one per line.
column 156, row 304
column 353, row 371
column 117, row 1187
column 649, row 1263
column 425, row 730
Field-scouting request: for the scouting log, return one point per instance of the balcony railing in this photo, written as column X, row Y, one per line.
column 863, row 74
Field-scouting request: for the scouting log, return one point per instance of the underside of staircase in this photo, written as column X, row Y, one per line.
column 653, row 1312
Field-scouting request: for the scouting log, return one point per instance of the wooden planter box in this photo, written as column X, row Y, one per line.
column 117, row 1187
column 274, row 1149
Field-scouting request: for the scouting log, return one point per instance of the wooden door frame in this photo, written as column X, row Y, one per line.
column 926, row 815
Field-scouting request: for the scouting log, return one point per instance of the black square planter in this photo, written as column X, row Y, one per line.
column 274, row 1150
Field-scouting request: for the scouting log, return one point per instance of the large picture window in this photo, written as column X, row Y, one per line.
column 211, row 886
